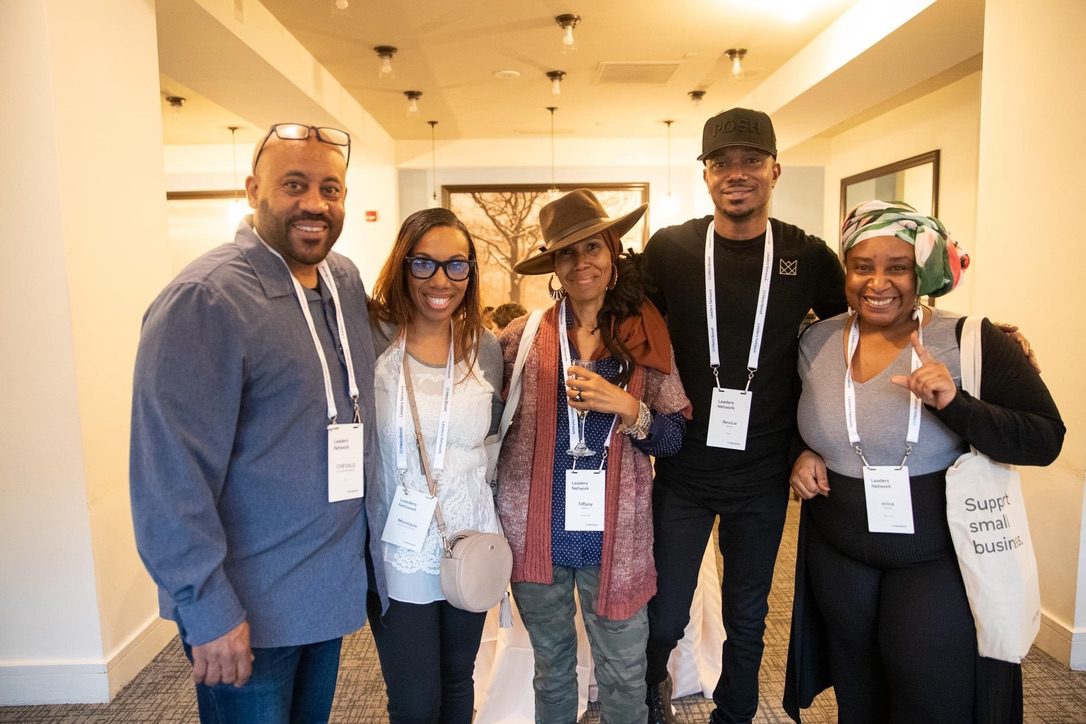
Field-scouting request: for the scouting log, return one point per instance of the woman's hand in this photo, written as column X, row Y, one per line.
column 931, row 382
column 809, row 475
column 589, row 391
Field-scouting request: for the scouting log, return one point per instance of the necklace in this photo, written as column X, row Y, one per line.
column 590, row 330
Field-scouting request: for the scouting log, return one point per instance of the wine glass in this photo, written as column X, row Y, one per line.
column 580, row 450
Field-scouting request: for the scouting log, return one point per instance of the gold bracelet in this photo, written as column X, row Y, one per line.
column 640, row 429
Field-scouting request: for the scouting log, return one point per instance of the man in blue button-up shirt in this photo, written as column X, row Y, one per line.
column 229, row 458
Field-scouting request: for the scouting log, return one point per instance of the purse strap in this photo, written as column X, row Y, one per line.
column 515, row 386
column 420, row 443
column 969, row 350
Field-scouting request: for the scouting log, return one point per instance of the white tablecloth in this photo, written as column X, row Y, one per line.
column 505, row 665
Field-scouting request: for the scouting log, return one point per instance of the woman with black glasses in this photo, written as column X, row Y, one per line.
column 426, row 316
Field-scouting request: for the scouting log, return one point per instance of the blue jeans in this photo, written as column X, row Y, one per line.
column 289, row 684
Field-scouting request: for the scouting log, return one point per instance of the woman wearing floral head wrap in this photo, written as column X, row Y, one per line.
column 880, row 611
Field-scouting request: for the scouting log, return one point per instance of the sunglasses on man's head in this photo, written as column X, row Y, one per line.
column 423, row 267
column 300, row 132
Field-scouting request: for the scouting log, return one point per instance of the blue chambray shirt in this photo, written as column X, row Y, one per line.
column 229, row 450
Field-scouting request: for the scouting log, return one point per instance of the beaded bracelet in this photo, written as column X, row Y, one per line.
column 640, row 428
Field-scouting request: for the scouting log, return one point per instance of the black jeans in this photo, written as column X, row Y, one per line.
column 751, row 523
column 427, row 654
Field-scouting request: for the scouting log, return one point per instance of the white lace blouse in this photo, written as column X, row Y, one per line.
column 463, row 492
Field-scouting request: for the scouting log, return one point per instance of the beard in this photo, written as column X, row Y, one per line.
column 279, row 233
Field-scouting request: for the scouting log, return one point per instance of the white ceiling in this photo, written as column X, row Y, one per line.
column 450, row 50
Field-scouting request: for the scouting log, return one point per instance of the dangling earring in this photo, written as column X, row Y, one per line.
column 614, row 278
column 556, row 294
column 916, row 307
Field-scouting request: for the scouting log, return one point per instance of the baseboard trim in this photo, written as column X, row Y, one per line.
column 83, row 681
column 1062, row 643
column 132, row 657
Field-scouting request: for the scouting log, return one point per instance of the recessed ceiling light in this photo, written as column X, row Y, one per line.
column 508, row 74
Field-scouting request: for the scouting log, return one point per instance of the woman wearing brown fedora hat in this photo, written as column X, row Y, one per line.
column 575, row 492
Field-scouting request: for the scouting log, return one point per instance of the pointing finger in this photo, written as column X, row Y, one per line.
column 921, row 351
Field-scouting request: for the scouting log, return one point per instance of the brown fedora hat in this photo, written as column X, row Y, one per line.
column 576, row 216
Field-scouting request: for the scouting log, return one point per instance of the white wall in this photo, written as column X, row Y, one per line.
column 85, row 214
column 1032, row 148
column 82, row 212
column 948, row 120
column 371, row 186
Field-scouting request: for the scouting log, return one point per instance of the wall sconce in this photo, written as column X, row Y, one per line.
column 384, row 59
column 696, row 96
column 736, row 55
column 567, row 21
column 412, row 100
column 556, row 77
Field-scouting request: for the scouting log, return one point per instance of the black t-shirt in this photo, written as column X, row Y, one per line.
column 805, row 275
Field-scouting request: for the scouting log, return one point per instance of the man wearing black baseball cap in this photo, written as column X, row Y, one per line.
column 734, row 335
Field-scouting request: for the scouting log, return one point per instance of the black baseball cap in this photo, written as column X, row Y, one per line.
column 738, row 127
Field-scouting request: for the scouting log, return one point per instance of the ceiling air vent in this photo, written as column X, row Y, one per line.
column 651, row 72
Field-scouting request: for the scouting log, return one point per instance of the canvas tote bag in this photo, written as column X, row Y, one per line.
column 987, row 517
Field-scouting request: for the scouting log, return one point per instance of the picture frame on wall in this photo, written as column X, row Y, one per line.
column 504, row 222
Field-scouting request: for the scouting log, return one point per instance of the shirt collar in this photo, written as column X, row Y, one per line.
column 270, row 270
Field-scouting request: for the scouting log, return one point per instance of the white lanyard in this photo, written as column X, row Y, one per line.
column 759, row 312
column 437, row 463
column 571, row 414
column 915, row 406
column 299, row 292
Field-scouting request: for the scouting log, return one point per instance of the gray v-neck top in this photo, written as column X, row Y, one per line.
column 882, row 408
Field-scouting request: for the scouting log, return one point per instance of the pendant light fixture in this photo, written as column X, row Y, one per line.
column 664, row 208
column 696, row 96
column 384, row 60
column 553, row 193
column 556, row 77
column 567, row 21
column 433, row 161
column 412, row 101
column 736, row 55
column 668, row 123
column 237, row 208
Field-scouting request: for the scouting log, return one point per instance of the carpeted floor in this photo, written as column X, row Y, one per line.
column 163, row 693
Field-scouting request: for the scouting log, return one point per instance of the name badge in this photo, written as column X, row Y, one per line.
column 584, row 499
column 729, row 415
column 345, row 462
column 889, row 502
column 409, row 519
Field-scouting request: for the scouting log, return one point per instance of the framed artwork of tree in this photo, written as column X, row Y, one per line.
column 504, row 221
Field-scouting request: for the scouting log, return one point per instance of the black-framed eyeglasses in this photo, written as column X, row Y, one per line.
column 300, row 132
column 423, row 267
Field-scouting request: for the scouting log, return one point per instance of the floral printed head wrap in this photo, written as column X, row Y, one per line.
column 940, row 261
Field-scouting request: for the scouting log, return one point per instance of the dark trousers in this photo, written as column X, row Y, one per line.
column 901, row 641
column 289, row 684
column 427, row 654
column 751, row 523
